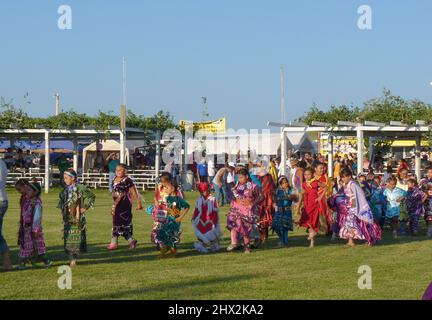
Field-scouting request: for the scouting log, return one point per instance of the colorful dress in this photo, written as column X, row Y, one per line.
column 393, row 208
column 282, row 220
column 297, row 190
column 266, row 209
column 72, row 199
column 428, row 210
column 160, row 212
column 425, row 183
column 414, row 202
column 30, row 223
column 241, row 218
column 168, row 232
column 338, row 204
column 205, row 221
column 122, row 208
column 404, row 215
column 310, row 217
column 377, row 202
column 358, row 223
column 326, row 216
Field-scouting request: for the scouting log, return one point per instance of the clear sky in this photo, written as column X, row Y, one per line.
column 227, row 50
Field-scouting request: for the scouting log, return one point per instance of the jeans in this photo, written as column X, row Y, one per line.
column 218, row 194
column 3, row 245
column 111, row 177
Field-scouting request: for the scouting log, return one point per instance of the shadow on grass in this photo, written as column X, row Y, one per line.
column 98, row 253
column 175, row 285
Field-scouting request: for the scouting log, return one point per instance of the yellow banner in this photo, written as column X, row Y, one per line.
column 216, row 126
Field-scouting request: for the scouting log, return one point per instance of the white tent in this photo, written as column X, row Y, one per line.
column 105, row 147
column 262, row 144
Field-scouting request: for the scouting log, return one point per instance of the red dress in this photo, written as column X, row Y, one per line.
column 267, row 209
column 324, row 210
column 311, row 209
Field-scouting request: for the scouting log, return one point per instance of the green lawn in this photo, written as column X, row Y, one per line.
column 401, row 270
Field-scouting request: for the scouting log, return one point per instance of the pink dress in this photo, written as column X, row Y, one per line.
column 31, row 222
column 241, row 218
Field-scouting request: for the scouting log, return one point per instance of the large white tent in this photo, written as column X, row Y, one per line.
column 103, row 146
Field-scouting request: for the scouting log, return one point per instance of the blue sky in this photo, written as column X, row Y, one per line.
column 227, row 50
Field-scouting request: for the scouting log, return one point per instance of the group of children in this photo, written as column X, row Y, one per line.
column 400, row 201
column 345, row 208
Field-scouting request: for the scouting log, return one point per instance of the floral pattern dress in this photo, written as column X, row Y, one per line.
column 30, row 223
column 243, row 218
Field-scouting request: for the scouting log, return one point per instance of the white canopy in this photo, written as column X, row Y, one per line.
column 105, row 147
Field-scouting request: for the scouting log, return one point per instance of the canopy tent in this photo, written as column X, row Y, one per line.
column 395, row 130
column 256, row 144
column 105, row 147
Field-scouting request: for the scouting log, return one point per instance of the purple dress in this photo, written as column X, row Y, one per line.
column 241, row 218
column 414, row 203
column 122, row 208
column 359, row 222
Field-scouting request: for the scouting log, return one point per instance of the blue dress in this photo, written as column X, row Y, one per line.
column 282, row 219
column 393, row 209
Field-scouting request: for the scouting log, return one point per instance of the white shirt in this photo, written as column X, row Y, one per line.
column 3, row 177
column 210, row 168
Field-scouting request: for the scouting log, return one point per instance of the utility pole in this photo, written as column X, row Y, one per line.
column 205, row 113
column 57, row 101
column 123, row 113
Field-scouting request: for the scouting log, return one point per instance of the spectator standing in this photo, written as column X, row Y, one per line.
column 202, row 171
column 112, row 162
column 28, row 160
column 211, row 170
column 4, row 202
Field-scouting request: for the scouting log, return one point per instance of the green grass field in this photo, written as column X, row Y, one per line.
column 401, row 270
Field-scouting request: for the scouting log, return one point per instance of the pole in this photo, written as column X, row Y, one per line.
column 57, row 98
column 330, row 156
column 283, row 152
column 157, row 155
column 75, row 155
column 122, row 147
column 282, row 106
column 360, row 151
column 417, row 158
column 47, row 161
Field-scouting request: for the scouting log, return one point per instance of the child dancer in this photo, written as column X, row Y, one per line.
column 267, row 206
column 402, row 183
column 359, row 223
column 30, row 239
column 168, row 234
column 243, row 215
column 428, row 210
column 75, row 200
column 310, row 219
column 160, row 208
column 378, row 202
column 205, row 221
column 282, row 220
column 414, row 202
column 394, row 197
column 123, row 189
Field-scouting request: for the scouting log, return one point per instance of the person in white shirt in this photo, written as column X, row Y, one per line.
column 4, row 203
column 211, row 170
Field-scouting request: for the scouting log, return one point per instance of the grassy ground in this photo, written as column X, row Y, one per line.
column 401, row 270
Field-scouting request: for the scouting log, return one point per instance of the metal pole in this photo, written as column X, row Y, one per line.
column 47, row 161
column 122, row 147
column 417, row 158
column 283, row 152
column 360, row 151
column 75, row 155
column 157, row 156
column 330, row 156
